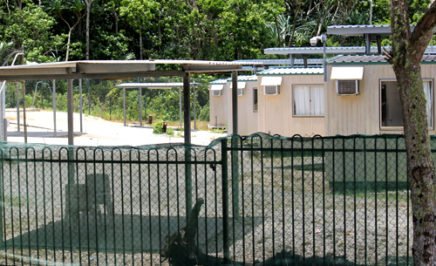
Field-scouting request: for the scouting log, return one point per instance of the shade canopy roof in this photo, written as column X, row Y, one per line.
column 154, row 85
column 316, row 50
column 114, row 69
column 354, row 30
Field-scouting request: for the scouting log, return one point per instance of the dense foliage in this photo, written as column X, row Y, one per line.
column 57, row 30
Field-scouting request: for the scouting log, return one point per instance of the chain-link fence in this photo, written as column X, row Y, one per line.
column 274, row 200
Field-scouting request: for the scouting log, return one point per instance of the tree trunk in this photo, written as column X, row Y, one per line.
column 419, row 164
column 68, row 45
column 88, row 15
column 408, row 49
column 141, row 49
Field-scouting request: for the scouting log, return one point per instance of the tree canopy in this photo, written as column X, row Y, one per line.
column 52, row 30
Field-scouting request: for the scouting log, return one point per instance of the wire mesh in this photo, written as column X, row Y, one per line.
column 269, row 199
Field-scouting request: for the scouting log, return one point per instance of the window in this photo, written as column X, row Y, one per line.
column 308, row 100
column 254, row 99
column 391, row 114
column 347, row 87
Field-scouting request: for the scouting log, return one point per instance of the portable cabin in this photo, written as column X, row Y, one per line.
column 247, row 105
column 363, row 98
column 221, row 107
column 218, row 104
column 291, row 100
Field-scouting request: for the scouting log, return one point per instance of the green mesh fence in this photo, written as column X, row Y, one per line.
column 267, row 199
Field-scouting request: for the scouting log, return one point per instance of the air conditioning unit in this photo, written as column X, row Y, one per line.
column 347, row 87
column 240, row 92
column 272, row 89
column 217, row 93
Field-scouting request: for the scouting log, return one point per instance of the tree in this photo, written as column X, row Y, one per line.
column 408, row 47
column 139, row 13
column 88, row 18
column 72, row 8
column 31, row 28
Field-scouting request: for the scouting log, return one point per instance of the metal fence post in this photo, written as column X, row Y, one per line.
column 226, row 246
column 2, row 199
column 187, row 138
column 235, row 177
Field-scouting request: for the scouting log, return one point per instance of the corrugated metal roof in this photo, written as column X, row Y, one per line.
column 371, row 59
column 318, row 50
column 278, row 62
column 329, row 50
column 292, row 71
column 154, row 85
column 350, row 30
column 245, row 78
column 355, row 30
column 218, row 81
column 240, row 78
column 114, row 69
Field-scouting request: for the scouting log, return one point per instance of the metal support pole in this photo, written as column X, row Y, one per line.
column 324, row 55
column 88, row 86
column 187, row 135
column 3, row 88
column 235, row 102
column 140, row 106
column 187, row 108
column 70, row 109
column 53, row 95
column 180, row 109
column 235, row 159
column 17, row 100
column 81, row 105
column 24, row 112
column 195, row 108
column 226, row 244
column 367, row 44
column 124, row 106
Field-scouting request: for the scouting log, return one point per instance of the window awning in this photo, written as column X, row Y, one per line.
column 271, row 81
column 216, row 87
column 347, row 73
column 241, row 85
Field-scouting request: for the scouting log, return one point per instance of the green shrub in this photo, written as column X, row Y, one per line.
column 170, row 131
column 158, row 128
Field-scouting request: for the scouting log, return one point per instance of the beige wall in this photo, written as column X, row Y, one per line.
column 360, row 114
column 275, row 111
column 221, row 110
column 247, row 118
column 217, row 111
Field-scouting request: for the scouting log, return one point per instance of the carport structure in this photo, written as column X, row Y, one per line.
column 150, row 85
column 125, row 69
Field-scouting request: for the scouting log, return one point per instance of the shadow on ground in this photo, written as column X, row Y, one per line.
column 122, row 234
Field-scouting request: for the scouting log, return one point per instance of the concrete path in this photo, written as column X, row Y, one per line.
column 96, row 131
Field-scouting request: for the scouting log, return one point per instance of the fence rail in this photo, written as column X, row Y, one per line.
column 267, row 199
